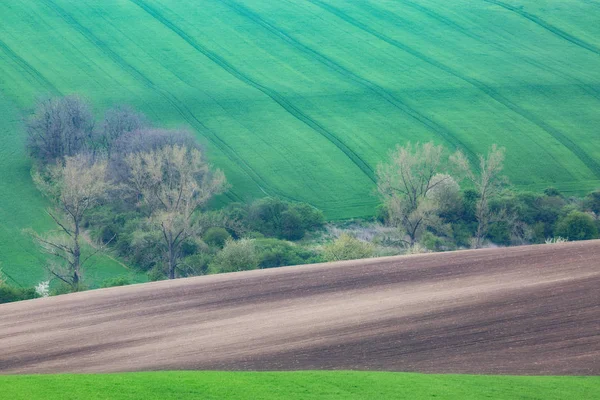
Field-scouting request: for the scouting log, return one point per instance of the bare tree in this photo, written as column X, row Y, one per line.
column 173, row 182
column 142, row 141
column 117, row 122
column 489, row 184
column 60, row 127
column 75, row 186
column 405, row 183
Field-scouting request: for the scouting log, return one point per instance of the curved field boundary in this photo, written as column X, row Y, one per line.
column 431, row 124
column 519, row 311
column 276, row 97
column 587, row 160
column 549, row 27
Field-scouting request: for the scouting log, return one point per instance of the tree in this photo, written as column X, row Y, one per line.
column 592, row 202
column 489, row 184
column 2, row 277
column 173, row 182
column 60, row 127
column 576, row 226
column 117, row 122
column 406, row 184
column 144, row 140
column 75, row 186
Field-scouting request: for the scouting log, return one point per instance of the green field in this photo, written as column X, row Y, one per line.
column 302, row 98
column 297, row 385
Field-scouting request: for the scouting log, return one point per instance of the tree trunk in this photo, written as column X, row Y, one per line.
column 172, row 261
column 76, row 257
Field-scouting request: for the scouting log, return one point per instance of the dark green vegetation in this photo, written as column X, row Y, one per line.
column 297, row 385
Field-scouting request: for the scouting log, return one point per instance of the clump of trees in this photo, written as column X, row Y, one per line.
column 142, row 192
column 421, row 195
column 157, row 180
column 275, row 217
column 173, row 182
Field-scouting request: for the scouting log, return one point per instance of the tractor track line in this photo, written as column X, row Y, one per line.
column 549, row 27
column 180, row 107
column 438, row 17
column 588, row 161
column 230, row 194
column 434, row 126
column 28, row 68
column 459, row 28
column 276, row 97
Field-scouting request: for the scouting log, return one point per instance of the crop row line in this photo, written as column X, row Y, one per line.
column 436, row 127
column 549, row 27
column 276, row 97
column 592, row 164
column 28, row 68
column 180, row 107
column 459, row 28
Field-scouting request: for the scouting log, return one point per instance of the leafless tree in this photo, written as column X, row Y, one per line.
column 406, row 183
column 60, row 127
column 489, row 183
column 143, row 141
column 118, row 121
column 173, row 181
column 75, row 186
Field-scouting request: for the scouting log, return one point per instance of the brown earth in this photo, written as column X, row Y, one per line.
column 525, row 310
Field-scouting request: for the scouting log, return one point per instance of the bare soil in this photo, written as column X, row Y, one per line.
column 524, row 310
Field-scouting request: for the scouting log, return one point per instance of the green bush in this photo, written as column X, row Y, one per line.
column 281, row 219
column 157, row 273
column 237, row 255
column 216, row 237
column 195, row 265
column 116, row 281
column 592, row 202
column 64, row 288
column 278, row 253
column 347, row 248
column 462, row 234
column 576, row 226
column 254, row 235
column 432, row 242
column 499, row 233
column 9, row 294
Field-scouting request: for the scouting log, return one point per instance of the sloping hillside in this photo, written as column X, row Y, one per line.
column 526, row 310
column 302, row 99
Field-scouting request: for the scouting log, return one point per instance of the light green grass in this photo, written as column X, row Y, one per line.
column 297, row 385
column 302, row 99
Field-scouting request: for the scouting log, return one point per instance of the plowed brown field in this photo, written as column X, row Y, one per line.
column 525, row 310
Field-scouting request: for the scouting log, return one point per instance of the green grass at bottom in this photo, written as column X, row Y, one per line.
column 296, row 385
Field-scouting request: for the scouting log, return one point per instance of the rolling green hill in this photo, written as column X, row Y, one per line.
column 302, row 98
